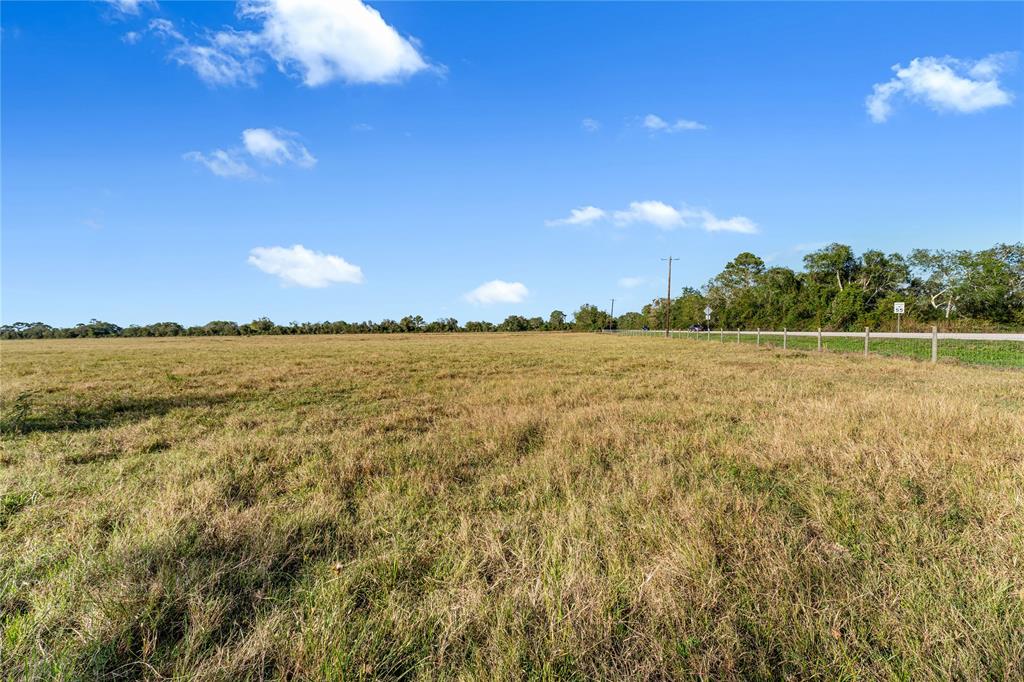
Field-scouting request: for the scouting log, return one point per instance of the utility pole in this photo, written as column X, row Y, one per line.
column 668, row 306
column 612, row 315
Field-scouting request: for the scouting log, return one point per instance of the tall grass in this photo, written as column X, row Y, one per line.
column 509, row 506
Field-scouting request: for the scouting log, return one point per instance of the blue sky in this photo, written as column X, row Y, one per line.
column 428, row 156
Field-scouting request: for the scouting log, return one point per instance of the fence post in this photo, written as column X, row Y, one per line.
column 721, row 334
column 758, row 337
column 867, row 338
column 737, row 336
column 935, row 344
column 785, row 338
column 819, row 339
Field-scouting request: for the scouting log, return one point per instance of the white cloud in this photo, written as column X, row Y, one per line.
column 223, row 164
column 319, row 41
column 165, row 27
column 132, row 7
column 591, row 125
column 656, row 213
column 227, row 58
column 663, row 216
column 580, row 216
column 945, row 84
column 326, row 40
column 631, row 282
column 877, row 102
column 657, row 124
column 131, row 37
column 277, row 147
column 299, row 266
column 362, row 127
column 498, row 291
column 739, row 223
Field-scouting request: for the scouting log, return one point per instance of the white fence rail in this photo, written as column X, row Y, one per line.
column 999, row 349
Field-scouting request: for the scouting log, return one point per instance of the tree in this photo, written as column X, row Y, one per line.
column 781, row 301
column 941, row 274
column 733, row 292
column 835, row 263
column 590, row 318
column 993, row 284
column 514, row 323
column 556, row 320
column 96, row 328
column 27, row 330
column 411, row 323
column 259, row 326
column 447, row 324
column 216, row 328
column 630, row 321
column 880, row 275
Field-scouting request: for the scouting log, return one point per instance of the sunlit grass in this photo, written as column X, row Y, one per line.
column 505, row 506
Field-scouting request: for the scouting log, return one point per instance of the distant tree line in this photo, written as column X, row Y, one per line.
column 836, row 290
column 263, row 326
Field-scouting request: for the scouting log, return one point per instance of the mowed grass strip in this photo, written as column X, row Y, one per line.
column 505, row 506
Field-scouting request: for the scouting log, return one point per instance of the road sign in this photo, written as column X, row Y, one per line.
column 707, row 313
column 898, row 308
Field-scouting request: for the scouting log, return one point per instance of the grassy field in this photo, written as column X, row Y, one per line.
column 505, row 506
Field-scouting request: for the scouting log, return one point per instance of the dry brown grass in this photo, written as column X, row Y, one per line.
column 492, row 506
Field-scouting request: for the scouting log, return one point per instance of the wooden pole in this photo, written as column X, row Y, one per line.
column 668, row 297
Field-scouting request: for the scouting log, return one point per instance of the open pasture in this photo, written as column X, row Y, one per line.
column 505, row 506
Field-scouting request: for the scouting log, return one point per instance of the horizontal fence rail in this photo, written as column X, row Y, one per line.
column 996, row 349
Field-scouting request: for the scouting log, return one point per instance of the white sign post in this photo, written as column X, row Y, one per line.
column 899, row 308
column 707, row 313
